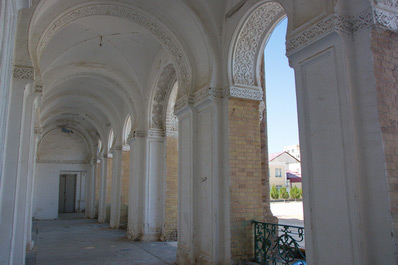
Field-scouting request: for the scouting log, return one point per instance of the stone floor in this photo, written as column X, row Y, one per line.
column 72, row 239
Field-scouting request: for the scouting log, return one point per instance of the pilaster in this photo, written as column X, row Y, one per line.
column 340, row 142
column 90, row 208
column 202, row 201
column 102, row 192
column 116, row 186
column 11, row 215
column 135, row 223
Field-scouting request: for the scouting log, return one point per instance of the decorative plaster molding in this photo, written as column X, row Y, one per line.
column 333, row 22
column 386, row 19
column 172, row 133
column 183, row 102
column 39, row 89
column 155, row 133
column 249, row 41
column 38, row 130
column 261, row 109
column 23, row 72
column 161, row 33
column 207, row 93
column 137, row 134
column 63, row 161
column 159, row 101
column 251, row 93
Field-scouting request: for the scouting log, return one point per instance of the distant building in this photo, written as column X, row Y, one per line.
column 284, row 170
column 294, row 150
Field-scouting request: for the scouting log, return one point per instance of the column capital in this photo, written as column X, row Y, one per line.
column 23, row 72
column 244, row 92
column 38, row 130
column 134, row 135
column 115, row 149
column 318, row 28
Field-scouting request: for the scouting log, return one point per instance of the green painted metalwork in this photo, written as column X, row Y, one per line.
column 278, row 244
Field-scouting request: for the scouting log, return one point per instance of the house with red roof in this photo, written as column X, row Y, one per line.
column 284, row 170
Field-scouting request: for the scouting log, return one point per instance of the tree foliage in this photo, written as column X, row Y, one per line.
column 274, row 193
column 284, row 193
column 295, row 193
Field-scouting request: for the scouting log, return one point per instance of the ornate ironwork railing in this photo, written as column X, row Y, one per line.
column 278, row 244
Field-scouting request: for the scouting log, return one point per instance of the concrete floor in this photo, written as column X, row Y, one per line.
column 72, row 239
column 288, row 213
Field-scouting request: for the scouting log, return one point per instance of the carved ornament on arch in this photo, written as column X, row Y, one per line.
column 23, row 72
column 249, row 42
column 386, row 18
column 333, row 22
column 164, row 84
column 39, row 89
column 161, row 33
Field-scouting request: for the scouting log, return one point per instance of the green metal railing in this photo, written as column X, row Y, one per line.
column 278, row 244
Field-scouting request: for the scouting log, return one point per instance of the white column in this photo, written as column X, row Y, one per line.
column 116, row 186
column 90, row 207
column 154, row 186
column 102, row 192
column 344, row 180
column 136, row 186
column 203, row 202
column 9, row 183
column 23, row 174
column 186, row 139
column 32, row 177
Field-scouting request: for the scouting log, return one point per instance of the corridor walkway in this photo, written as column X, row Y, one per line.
column 72, row 239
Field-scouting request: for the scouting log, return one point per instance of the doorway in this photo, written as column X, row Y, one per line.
column 67, row 193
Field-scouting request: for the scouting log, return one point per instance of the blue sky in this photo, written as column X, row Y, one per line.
column 281, row 93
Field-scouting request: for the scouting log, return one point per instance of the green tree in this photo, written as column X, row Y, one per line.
column 301, row 193
column 295, row 193
column 284, row 193
column 274, row 192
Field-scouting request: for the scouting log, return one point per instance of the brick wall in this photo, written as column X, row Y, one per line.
column 246, row 187
column 109, row 181
column 169, row 232
column 97, row 185
column 385, row 61
column 125, row 186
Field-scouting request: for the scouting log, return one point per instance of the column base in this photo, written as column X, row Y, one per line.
column 134, row 237
column 29, row 245
column 183, row 256
column 150, row 237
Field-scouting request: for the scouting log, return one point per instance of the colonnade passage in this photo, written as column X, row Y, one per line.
column 144, row 116
column 56, row 243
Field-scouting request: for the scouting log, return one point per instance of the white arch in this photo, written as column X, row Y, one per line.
column 123, row 11
column 248, row 43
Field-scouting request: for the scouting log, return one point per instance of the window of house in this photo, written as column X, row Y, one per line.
column 278, row 172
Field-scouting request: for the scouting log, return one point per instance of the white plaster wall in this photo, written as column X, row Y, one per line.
column 47, row 185
column 59, row 153
column 59, row 146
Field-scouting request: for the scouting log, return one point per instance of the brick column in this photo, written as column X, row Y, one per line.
column 125, row 185
column 169, row 231
column 384, row 45
column 246, row 183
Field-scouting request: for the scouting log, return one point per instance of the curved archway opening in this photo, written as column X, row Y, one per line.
column 282, row 131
